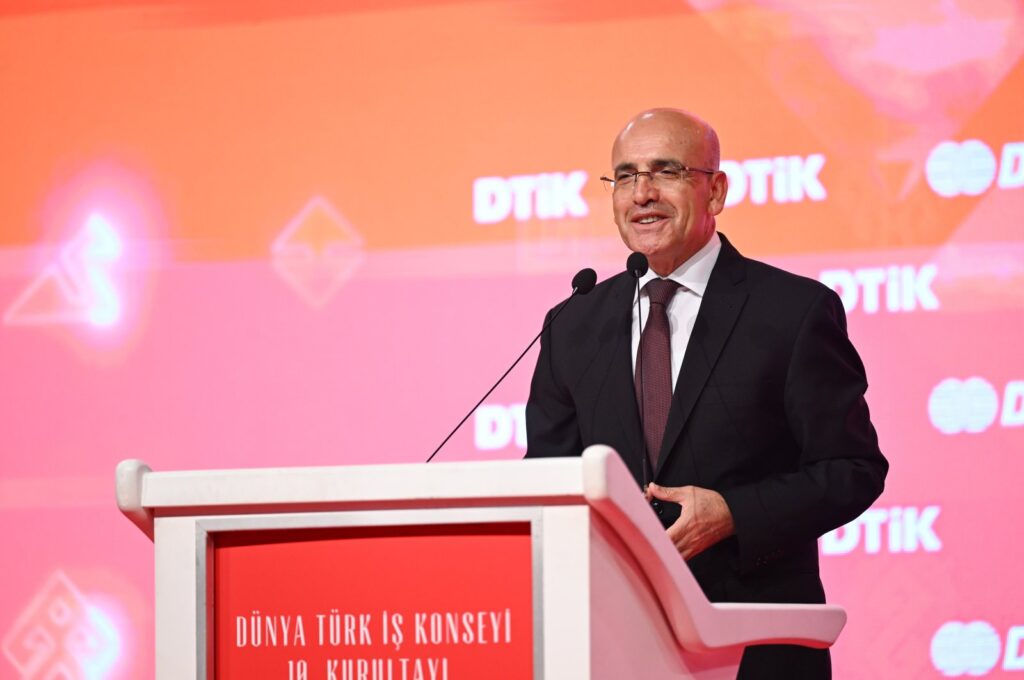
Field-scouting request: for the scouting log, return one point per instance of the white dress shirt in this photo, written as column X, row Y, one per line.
column 682, row 310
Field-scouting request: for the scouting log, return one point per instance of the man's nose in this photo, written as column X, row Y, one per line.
column 644, row 190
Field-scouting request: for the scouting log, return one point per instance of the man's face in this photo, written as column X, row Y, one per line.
column 668, row 221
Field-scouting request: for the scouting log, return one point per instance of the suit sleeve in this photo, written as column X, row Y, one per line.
column 841, row 470
column 552, row 427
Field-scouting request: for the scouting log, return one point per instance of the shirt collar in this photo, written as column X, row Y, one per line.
column 695, row 272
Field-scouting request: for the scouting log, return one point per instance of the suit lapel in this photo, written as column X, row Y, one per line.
column 719, row 310
column 620, row 374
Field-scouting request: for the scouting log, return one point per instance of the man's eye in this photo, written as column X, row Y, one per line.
column 669, row 173
column 623, row 177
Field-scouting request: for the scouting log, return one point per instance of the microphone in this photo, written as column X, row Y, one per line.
column 582, row 283
column 637, row 266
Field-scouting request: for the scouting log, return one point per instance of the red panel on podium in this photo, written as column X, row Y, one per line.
column 446, row 601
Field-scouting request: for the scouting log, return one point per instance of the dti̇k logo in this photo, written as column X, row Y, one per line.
column 497, row 426
column 901, row 529
column 975, row 649
column 973, row 405
column 782, row 179
column 969, row 168
column 546, row 196
column 316, row 252
column 60, row 636
column 895, row 288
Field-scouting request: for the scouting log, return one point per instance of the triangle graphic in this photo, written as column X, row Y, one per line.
column 75, row 287
column 46, row 300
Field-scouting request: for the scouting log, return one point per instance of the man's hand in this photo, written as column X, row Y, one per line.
column 703, row 520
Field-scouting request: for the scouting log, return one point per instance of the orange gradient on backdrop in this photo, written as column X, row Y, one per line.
column 391, row 114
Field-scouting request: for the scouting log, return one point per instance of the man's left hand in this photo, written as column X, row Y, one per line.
column 704, row 518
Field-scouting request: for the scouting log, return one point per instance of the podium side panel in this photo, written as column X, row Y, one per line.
column 630, row 635
column 566, row 593
column 180, row 556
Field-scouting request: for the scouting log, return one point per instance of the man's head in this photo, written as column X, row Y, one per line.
column 668, row 211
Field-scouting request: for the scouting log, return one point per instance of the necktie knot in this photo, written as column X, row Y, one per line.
column 660, row 291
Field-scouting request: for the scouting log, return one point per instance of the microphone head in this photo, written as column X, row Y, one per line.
column 636, row 265
column 584, row 281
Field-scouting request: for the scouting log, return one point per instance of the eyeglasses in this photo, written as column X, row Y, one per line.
column 662, row 177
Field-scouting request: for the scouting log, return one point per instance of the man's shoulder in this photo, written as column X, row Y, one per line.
column 765, row 279
column 595, row 316
column 613, row 285
column 788, row 298
column 585, row 305
column 770, row 275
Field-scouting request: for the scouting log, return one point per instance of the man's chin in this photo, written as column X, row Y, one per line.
column 651, row 250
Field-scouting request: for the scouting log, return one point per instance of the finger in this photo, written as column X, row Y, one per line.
column 670, row 493
column 686, row 548
column 676, row 529
column 680, row 533
column 687, row 544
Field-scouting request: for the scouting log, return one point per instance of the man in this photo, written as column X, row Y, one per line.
column 764, row 443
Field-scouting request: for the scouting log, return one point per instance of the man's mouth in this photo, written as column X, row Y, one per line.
column 648, row 218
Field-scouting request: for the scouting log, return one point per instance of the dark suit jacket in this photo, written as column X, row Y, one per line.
column 768, row 410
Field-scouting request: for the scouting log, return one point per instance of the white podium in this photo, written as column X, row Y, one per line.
column 611, row 597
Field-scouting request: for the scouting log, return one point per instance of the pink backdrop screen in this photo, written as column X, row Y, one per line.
column 258, row 234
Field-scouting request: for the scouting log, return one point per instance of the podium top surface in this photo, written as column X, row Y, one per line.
column 598, row 479
column 362, row 485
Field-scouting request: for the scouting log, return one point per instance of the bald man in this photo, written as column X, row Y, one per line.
column 743, row 419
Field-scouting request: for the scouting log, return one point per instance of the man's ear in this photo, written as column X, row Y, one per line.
column 719, row 190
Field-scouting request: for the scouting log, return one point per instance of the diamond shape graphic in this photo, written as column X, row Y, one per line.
column 317, row 252
column 60, row 636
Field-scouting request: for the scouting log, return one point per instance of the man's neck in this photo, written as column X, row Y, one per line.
column 665, row 266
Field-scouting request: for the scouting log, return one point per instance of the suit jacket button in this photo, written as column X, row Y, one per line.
column 656, row 504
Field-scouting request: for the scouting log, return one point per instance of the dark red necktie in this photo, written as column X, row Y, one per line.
column 654, row 364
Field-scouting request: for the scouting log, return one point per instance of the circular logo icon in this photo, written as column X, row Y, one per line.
column 955, row 168
column 972, row 648
column 956, row 406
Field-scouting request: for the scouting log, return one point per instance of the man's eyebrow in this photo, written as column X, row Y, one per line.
column 666, row 163
column 657, row 163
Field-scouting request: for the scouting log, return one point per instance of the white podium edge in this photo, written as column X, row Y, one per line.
column 603, row 482
column 698, row 624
